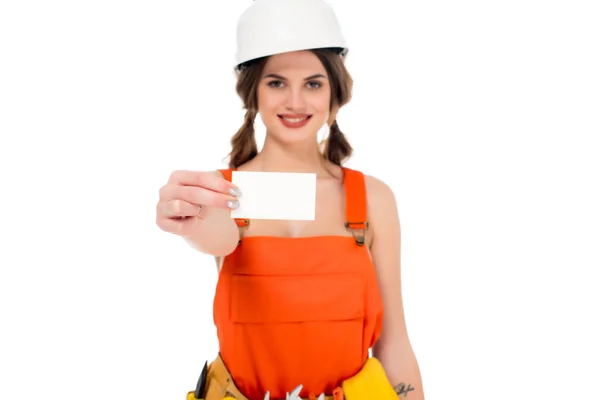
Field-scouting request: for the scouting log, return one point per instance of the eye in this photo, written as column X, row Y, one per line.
column 275, row 84
column 314, row 84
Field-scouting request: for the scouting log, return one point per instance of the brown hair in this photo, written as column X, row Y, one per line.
column 336, row 148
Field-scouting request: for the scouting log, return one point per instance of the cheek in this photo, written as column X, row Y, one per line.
column 267, row 102
column 321, row 103
column 324, row 97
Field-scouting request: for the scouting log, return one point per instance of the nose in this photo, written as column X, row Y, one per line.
column 296, row 100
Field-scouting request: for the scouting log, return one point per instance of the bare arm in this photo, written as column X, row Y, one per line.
column 197, row 206
column 217, row 233
column 393, row 349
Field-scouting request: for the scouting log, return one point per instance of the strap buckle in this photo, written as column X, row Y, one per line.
column 358, row 232
column 241, row 224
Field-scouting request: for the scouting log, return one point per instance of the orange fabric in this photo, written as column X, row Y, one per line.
column 292, row 311
column 356, row 202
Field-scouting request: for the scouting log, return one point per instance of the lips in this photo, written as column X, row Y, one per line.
column 294, row 120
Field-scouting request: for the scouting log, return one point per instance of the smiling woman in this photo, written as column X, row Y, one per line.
column 298, row 302
column 299, row 89
column 311, row 84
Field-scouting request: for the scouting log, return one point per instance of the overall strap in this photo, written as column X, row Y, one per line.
column 227, row 175
column 356, row 204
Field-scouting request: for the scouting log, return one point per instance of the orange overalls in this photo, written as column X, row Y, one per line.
column 305, row 310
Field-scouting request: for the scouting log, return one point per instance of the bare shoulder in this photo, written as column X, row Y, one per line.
column 382, row 212
column 379, row 194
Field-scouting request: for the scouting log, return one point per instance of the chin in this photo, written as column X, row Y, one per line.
column 287, row 135
column 296, row 136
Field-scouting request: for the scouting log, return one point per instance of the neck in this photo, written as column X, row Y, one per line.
column 299, row 157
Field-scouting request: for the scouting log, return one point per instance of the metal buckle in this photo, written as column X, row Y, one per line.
column 360, row 238
column 246, row 222
column 241, row 228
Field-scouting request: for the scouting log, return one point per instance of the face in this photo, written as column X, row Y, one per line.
column 294, row 96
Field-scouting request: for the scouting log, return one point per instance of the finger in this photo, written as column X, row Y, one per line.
column 181, row 227
column 204, row 180
column 198, row 196
column 180, row 208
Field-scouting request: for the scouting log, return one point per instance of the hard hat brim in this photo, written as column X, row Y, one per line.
column 341, row 51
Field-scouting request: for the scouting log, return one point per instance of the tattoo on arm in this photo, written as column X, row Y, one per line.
column 401, row 389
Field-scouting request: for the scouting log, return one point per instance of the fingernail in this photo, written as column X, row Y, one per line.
column 233, row 204
column 235, row 192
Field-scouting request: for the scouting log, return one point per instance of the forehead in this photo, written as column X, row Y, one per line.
column 303, row 63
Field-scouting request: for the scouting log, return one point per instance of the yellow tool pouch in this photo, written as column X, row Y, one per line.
column 370, row 382
column 190, row 396
column 216, row 384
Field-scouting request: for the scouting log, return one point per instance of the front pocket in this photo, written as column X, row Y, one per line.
column 310, row 326
column 303, row 298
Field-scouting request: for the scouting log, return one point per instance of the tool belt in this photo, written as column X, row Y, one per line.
column 369, row 383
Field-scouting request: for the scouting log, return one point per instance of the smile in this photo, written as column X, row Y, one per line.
column 294, row 121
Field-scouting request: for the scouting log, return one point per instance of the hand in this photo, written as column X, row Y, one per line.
column 186, row 197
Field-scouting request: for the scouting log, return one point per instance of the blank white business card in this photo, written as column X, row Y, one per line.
column 275, row 195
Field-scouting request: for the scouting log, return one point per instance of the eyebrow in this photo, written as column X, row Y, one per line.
column 306, row 79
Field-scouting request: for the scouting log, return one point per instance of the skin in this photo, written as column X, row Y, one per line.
column 194, row 205
column 296, row 150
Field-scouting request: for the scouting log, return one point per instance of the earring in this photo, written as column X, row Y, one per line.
column 323, row 133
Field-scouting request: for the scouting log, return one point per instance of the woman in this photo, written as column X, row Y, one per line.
column 297, row 303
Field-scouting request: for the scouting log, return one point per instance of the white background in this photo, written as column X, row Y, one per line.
column 484, row 118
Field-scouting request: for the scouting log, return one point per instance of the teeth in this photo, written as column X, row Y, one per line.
column 294, row 120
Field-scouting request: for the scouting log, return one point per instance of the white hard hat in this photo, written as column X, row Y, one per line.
column 271, row 27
